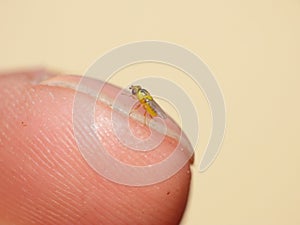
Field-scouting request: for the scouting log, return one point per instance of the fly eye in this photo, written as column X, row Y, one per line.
column 134, row 90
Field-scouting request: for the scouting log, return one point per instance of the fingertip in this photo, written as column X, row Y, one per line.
column 47, row 181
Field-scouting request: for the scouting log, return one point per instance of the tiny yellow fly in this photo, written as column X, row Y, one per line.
column 147, row 101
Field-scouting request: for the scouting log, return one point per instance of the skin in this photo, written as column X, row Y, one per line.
column 45, row 180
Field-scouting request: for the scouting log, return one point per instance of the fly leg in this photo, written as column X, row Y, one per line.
column 145, row 118
column 136, row 107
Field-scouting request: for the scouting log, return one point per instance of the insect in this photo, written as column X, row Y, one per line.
column 146, row 100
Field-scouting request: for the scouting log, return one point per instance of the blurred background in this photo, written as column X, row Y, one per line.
column 253, row 50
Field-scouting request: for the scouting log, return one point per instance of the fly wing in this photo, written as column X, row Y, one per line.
column 160, row 112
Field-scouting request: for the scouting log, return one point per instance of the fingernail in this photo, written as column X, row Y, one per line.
column 120, row 103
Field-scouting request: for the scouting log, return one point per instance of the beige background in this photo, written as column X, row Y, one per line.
column 253, row 49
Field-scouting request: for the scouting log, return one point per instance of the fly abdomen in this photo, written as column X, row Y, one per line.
column 149, row 108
